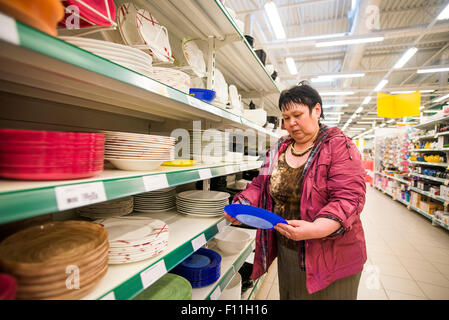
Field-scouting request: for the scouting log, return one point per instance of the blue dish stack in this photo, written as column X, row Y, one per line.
column 202, row 268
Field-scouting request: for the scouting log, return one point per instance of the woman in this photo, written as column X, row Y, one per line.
column 314, row 179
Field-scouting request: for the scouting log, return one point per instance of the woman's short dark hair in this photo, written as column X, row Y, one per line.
column 302, row 93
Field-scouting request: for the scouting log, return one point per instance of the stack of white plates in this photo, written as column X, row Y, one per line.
column 131, row 58
column 108, row 209
column 210, row 144
column 138, row 152
column 155, row 201
column 201, row 203
column 173, row 78
column 134, row 239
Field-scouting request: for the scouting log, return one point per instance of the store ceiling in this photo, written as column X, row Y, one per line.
column 402, row 23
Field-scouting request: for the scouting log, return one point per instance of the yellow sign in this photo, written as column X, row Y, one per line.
column 399, row 105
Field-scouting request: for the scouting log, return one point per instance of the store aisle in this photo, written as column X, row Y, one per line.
column 408, row 258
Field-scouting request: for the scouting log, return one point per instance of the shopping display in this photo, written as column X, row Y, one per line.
column 100, row 198
column 133, row 239
column 50, row 155
column 202, row 268
column 42, row 257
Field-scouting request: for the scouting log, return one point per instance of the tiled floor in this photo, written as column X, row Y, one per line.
column 408, row 258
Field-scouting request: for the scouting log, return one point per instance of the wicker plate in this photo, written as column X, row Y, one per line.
column 47, row 249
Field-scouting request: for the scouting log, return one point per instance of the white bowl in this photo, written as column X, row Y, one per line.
column 258, row 116
column 233, row 290
column 136, row 165
column 232, row 240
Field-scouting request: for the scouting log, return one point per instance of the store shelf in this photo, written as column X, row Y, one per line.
column 428, row 194
column 230, row 264
column 431, row 123
column 186, row 235
column 36, row 65
column 432, row 218
column 394, row 178
column 26, row 199
column 434, row 164
column 429, row 150
column 428, row 177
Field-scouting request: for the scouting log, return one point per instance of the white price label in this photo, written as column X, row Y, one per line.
column 229, row 169
column 152, row 274
column 155, row 182
column 9, row 32
column 69, row 197
column 198, row 242
column 161, row 89
column 194, row 102
column 205, row 174
column 109, row 296
column 221, row 225
column 216, row 294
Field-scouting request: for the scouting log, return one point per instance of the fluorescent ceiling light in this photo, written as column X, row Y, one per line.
column 380, row 85
column 366, row 100
column 291, row 66
column 444, row 14
column 348, row 41
column 410, row 91
column 336, row 93
column 319, row 80
column 372, row 118
column 273, row 15
column 357, row 129
column 341, row 105
column 430, row 70
column 441, row 98
column 364, row 122
column 341, row 76
column 359, row 109
column 337, row 112
column 405, row 58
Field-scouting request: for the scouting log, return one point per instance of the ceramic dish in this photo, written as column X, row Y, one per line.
column 169, row 287
column 232, row 240
column 194, row 57
column 154, row 35
column 253, row 216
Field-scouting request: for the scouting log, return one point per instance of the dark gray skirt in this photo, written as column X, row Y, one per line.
column 292, row 281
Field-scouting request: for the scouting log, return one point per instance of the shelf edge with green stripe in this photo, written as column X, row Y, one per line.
column 36, row 200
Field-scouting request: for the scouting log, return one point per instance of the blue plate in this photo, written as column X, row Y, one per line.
column 253, row 216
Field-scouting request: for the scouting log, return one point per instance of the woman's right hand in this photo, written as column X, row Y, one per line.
column 232, row 220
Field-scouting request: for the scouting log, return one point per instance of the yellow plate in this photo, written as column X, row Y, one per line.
column 179, row 163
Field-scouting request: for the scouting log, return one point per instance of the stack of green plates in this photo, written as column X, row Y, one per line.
column 169, row 287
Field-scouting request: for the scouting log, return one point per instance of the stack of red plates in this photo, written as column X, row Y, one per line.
column 50, row 155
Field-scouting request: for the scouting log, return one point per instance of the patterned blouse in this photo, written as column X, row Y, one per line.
column 285, row 184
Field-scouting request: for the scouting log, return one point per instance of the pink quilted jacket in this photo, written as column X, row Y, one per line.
column 333, row 185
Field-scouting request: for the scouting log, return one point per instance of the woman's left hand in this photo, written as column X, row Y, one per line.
column 297, row 229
